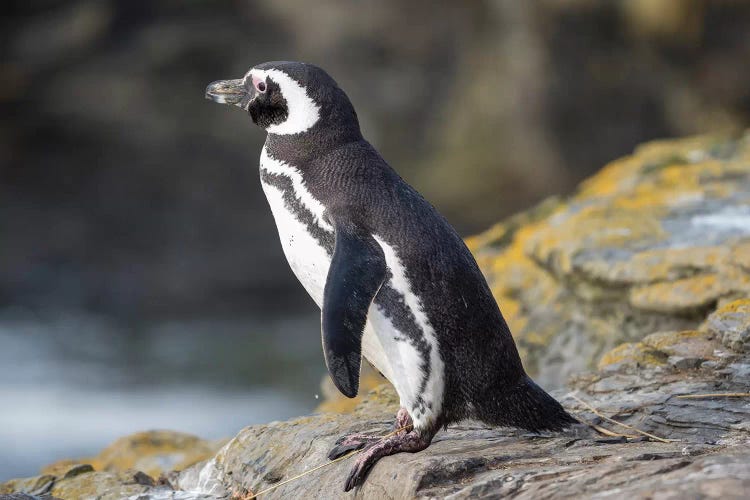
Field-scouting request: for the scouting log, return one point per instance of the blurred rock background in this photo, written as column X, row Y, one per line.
column 135, row 244
column 124, row 191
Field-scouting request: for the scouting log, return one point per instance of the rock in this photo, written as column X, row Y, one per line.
column 630, row 355
column 469, row 460
column 88, row 483
column 732, row 323
column 619, row 269
column 125, row 468
column 651, row 243
column 682, row 350
column 39, row 485
column 152, row 452
column 706, row 451
column 25, row 496
column 687, row 344
column 77, row 470
column 100, row 485
column 684, row 363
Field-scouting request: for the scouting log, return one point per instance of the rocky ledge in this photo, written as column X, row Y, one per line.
column 637, row 289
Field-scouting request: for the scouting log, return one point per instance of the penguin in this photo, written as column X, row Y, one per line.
column 394, row 281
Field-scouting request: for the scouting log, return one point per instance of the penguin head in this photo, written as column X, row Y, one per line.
column 287, row 98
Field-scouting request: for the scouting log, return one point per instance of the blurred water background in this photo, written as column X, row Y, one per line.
column 141, row 280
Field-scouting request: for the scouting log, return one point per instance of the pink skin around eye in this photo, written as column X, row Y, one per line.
column 259, row 84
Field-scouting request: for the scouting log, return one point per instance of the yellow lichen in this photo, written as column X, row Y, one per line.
column 100, row 485
column 686, row 147
column 680, row 295
column 741, row 255
column 494, row 233
column 662, row 341
column 658, row 264
column 335, row 402
column 687, row 344
column 592, row 227
column 36, row 483
column 631, row 353
column 152, row 452
column 609, row 180
column 607, row 245
column 736, row 306
column 60, row 467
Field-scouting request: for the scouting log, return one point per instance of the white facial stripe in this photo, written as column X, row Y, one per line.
column 304, row 112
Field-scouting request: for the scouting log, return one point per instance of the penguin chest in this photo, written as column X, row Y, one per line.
column 307, row 240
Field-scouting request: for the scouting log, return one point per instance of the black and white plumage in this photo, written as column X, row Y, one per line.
column 395, row 282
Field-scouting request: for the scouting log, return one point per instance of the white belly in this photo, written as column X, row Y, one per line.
column 310, row 263
column 307, row 258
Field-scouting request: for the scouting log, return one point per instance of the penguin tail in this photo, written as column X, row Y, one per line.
column 528, row 406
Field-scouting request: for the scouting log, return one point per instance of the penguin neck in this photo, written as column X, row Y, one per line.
column 302, row 148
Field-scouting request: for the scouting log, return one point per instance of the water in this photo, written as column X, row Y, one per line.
column 70, row 384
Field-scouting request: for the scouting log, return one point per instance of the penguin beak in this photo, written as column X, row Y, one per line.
column 231, row 92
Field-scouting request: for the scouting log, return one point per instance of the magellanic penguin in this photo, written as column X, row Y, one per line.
column 394, row 281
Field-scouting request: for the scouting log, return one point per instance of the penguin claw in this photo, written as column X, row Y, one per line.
column 341, row 450
column 347, row 444
column 359, row 472
column 340, row 440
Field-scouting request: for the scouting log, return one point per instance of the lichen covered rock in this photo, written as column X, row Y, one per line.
column 704, row 448
column 151, row 452
column 129, row 466
column 78, row 483
column 652, row 243
column 731, row 324
column 38, row 485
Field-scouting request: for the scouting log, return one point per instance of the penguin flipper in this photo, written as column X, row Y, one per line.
column 357, row 271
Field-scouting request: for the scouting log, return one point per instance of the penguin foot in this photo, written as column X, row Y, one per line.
column 411, row 442
column 351, row 442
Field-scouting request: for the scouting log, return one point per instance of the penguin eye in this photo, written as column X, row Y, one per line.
column 261, row 86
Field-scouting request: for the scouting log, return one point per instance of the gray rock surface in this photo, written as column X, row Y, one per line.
column 707, row 455
column 654, row 243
